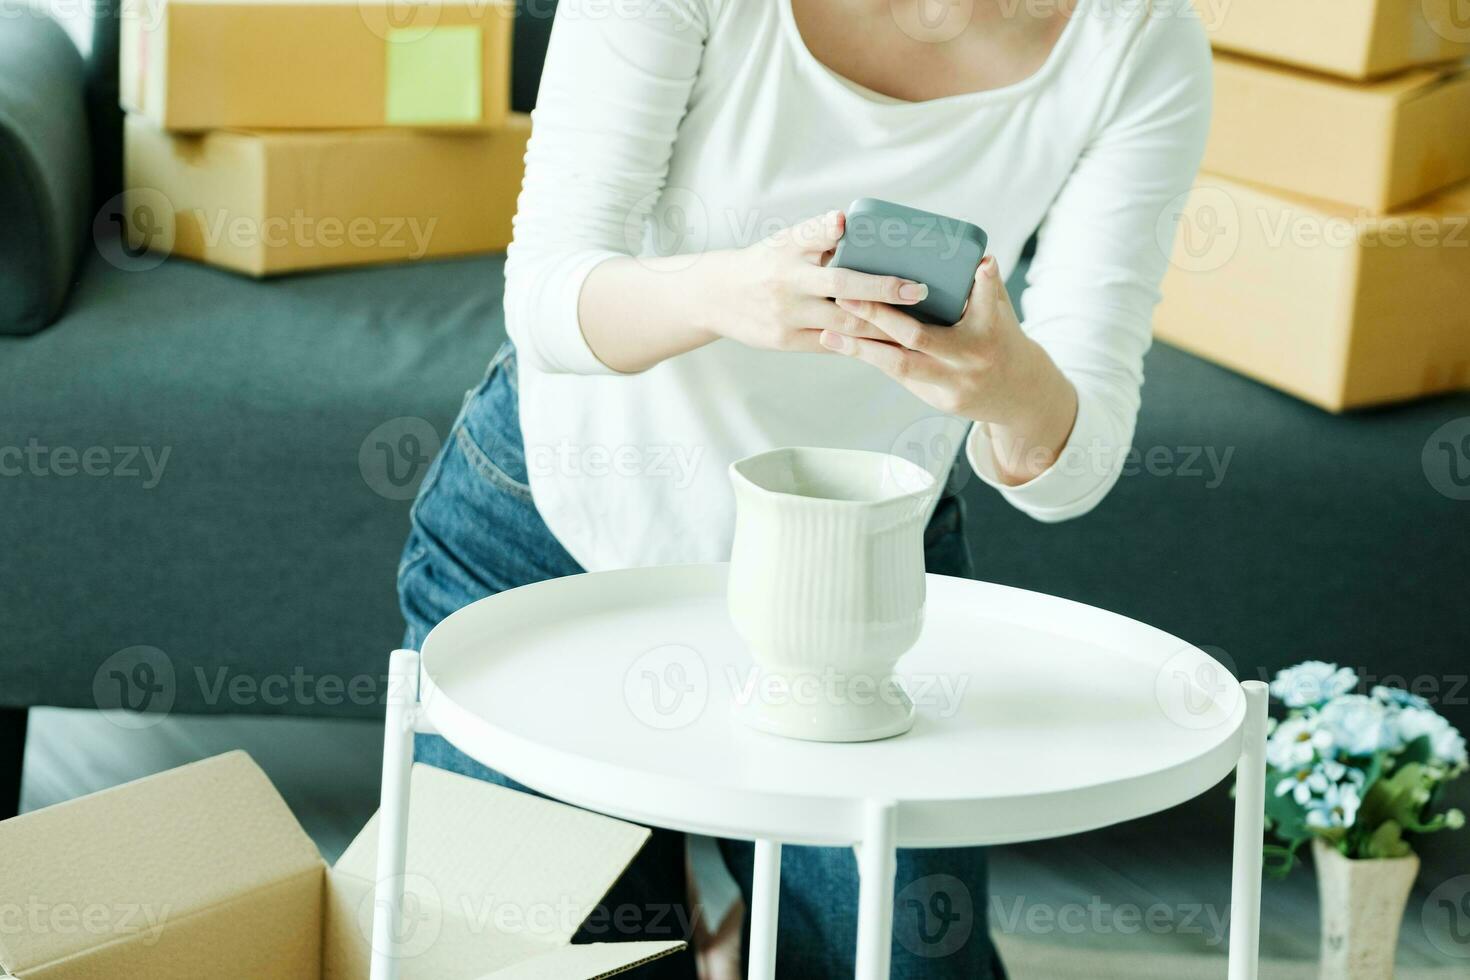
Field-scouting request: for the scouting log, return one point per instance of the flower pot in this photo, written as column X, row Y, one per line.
column 1362, row 905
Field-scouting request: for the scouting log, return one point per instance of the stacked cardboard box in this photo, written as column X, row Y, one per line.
column 1326, row 247
column 269, row 137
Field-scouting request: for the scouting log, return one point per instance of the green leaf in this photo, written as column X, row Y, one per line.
column 1417, row 751
column 1287, row 820
column 1398, row 797
column 1404, row 799
column 1385, row 842
column 1373, row 770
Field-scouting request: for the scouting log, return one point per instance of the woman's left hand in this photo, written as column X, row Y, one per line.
column 983, row 368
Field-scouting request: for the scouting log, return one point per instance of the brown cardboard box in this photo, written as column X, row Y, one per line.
column 1377, row 145
column 202, row 872
column 1352, row 38
column 192, row 65
column 263, row 203
column 1340, row 307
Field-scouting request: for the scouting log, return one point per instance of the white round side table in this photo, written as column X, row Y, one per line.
column 1037, row 717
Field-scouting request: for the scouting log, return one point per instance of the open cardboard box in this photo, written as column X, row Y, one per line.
column 202, row 872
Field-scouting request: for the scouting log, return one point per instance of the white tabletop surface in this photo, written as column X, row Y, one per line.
column 1037, row 716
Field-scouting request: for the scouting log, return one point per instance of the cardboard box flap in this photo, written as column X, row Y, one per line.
column 443, row 944
column 435, row 942
column 586, row 962
column 154, row 851
column 510, row 862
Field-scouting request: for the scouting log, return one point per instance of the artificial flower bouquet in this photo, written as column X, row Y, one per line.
column 1356, row 771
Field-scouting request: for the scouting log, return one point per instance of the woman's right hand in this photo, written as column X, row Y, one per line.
column 778, row 293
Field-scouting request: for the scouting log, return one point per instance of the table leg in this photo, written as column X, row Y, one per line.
column 877, row 865
column 398, row 729
column 1250, row 801
column 765, row 906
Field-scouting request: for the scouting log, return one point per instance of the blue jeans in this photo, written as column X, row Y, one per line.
column 475, row 532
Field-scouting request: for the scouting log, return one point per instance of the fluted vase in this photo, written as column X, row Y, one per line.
column 827, row 588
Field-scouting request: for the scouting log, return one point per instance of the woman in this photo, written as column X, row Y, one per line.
column 671, row 309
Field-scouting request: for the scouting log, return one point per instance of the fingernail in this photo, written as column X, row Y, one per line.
column 913, row 291
column 988, row 264
column 846, row 304
column 833, row 341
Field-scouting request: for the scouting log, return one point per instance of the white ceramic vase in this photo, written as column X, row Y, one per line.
column 1362, row 905
column 827, row 588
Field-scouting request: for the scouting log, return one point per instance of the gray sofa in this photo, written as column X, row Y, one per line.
column 258, row 557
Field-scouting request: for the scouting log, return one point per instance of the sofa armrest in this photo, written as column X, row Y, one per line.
column 45, row 168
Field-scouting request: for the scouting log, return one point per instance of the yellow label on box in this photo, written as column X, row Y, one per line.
column 434, row 76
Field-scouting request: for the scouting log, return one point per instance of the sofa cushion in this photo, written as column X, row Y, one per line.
column 45, row 170
column 200, row 460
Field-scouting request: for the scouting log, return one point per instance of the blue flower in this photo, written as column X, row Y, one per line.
column 1359, row 725
column 1396, row 697
column 1296, row 742
column 1312, row 683
column 1445, row 743
column 1316, row 781
column 1335, row 809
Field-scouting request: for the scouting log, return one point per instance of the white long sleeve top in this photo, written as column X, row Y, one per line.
column 669, row 127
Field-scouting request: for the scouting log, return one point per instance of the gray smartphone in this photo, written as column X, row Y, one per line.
column 887, row 239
